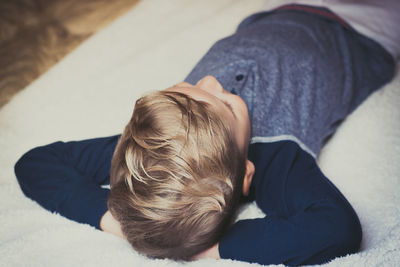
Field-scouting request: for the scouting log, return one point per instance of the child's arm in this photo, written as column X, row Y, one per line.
column 211, row 253
column 308, row 220
column 109, row 224
column 67, row 177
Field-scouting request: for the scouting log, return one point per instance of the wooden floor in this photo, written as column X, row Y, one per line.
column 35, row 34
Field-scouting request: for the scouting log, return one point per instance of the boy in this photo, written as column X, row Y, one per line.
column 179, row 168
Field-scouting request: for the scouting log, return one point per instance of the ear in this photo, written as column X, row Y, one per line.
column 248, row 177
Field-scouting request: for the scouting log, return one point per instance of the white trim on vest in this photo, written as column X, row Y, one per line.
column 270, row 139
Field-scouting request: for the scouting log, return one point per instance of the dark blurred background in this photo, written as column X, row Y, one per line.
column 36, row 34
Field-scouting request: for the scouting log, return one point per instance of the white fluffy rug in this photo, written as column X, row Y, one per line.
column 91, row 93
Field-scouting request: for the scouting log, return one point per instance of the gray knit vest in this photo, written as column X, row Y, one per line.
column 299, row 73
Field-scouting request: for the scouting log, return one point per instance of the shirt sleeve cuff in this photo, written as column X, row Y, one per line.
column 87, row 204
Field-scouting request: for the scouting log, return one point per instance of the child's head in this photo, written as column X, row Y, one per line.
column 178, row 169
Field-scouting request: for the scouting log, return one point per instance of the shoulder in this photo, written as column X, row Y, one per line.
column 279, row 155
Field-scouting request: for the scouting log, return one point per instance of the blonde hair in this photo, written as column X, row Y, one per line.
column 176, row 176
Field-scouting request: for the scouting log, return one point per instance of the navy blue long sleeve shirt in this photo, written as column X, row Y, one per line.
column 308, row 220
column 67, row 177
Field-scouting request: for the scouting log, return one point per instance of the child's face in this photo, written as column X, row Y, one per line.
column 230, row 106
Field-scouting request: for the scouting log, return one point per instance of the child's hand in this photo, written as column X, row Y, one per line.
column 111, row 225
column 211, row 253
